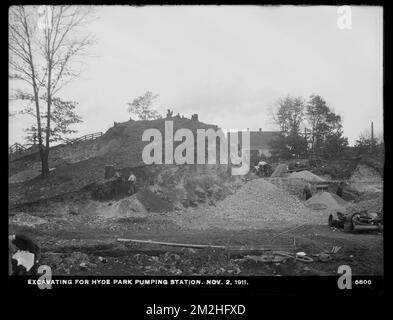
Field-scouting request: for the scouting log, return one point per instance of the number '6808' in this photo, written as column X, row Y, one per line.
column 363, row 282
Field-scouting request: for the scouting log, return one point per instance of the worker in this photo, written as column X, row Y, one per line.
column 307, row 191
column 340, row 189
column 132, row 182
column 261, row 165
column 118, row 184
column 267, row 169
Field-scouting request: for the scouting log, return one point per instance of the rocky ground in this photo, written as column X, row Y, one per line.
column 258, row 214
column 87, row 246
column 77, row 233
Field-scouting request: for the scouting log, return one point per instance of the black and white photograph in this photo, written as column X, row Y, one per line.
column 196, row 144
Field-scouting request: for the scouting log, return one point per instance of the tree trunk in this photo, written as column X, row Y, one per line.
column 45, row 159
column 44, row 155
column 44, row 166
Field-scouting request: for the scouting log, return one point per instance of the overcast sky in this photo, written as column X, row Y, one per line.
column 229, row 64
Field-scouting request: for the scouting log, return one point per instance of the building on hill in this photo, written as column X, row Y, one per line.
column 261, row 142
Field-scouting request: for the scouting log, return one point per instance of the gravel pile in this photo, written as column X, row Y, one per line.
column 292, row 185
column 326, row 200
column 257, row 204
column 260, row 198
column 305, row 175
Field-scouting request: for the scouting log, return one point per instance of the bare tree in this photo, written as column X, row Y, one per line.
column 46, row 44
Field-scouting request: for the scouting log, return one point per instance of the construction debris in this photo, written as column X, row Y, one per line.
column 279, row 256
column 335, row 249
column 101, row 259
column 357, row 221
column 324, row 257
column 274, row 256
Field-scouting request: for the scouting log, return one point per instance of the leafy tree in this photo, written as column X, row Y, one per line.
column 142, row 107
column 365, row 143
column 293, row 115
column 335, row 144
column 289, row 116
column 31, row 138
column 326, row 128
column 45, row 46
column 62, row 117
column 288, row 146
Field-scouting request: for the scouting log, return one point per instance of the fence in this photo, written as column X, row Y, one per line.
column 90, row 136
column 16, row 148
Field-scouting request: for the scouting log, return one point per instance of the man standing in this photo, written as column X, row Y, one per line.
column 132, row 181
column 267, row 169
column 307, row 191
column 261, row 165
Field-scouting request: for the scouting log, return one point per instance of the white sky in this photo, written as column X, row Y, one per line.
column 229, row 64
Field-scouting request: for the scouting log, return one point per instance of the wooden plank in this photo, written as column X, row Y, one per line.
column 172, row 244
column 238, row 249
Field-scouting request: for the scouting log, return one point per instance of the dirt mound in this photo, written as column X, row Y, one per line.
column 371, row 205
column 366, row 179
column 367, row 187
column 326, row 200
column 82, row 164
column 152, row 202
column 364, row 173
column 305, row 175
column 191, row 185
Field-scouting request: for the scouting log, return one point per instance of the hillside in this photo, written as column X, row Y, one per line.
column 82, row 164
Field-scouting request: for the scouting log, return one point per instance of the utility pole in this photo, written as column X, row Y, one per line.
column 372, row 131
column 372, row 137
